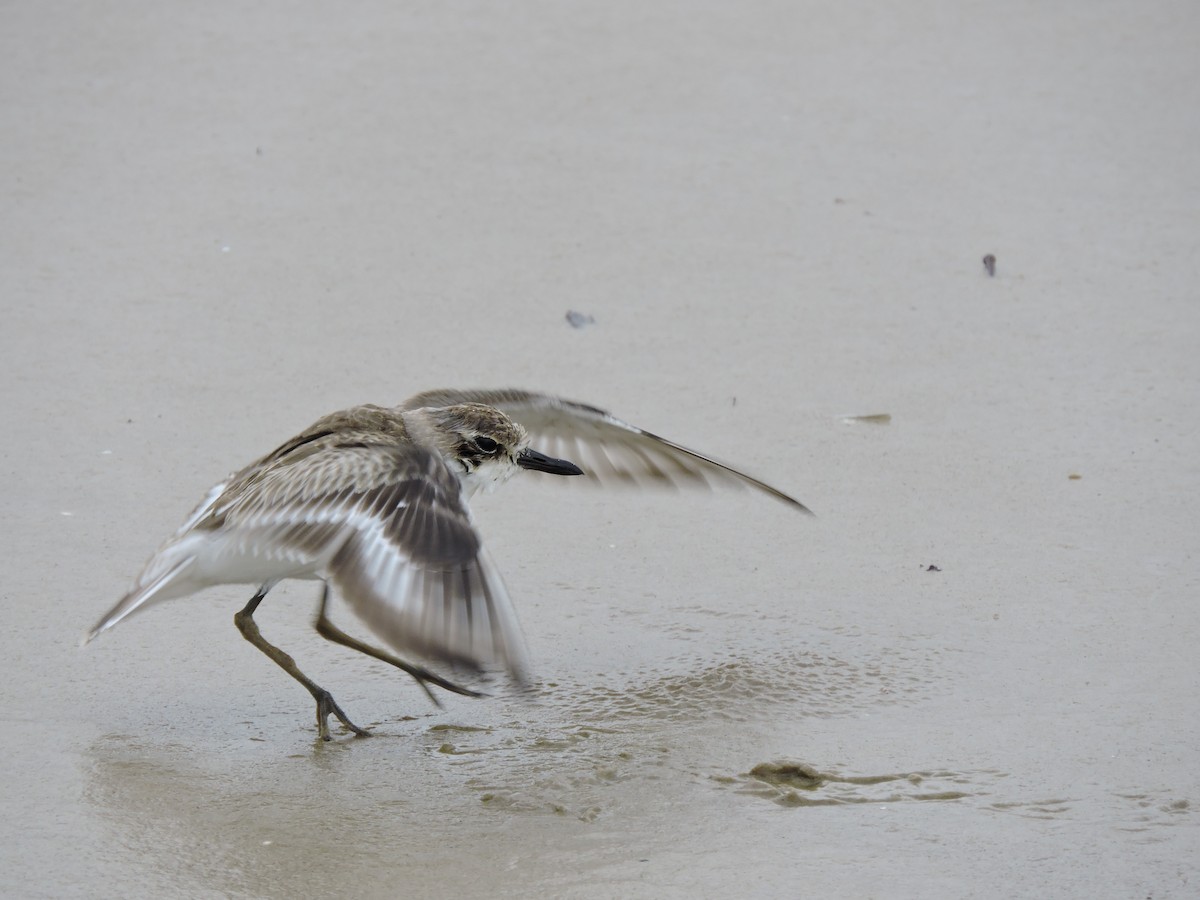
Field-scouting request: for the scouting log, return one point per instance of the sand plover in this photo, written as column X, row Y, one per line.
column 374, row 500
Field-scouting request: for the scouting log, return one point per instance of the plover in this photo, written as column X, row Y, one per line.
column 375, row 500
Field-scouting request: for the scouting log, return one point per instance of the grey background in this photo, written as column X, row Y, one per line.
column 222, row 221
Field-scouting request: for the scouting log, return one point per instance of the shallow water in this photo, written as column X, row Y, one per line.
column 697, row 771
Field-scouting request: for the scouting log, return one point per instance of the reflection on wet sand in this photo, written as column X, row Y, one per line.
column 578, row 751
column 242, row 815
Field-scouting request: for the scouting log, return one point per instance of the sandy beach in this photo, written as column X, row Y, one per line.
column 972, row 674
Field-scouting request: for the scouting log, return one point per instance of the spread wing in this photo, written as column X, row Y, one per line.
column 605, row 447
column 391, row 528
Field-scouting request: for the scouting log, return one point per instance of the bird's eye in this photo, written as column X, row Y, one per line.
column 486, row 444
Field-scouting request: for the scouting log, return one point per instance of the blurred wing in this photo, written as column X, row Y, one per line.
column 391, row 528
column 605, row 447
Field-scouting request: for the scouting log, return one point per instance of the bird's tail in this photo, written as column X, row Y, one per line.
column 162, row 579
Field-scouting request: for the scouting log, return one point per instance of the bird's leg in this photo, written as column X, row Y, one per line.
column 325, row 702
column 423, row 676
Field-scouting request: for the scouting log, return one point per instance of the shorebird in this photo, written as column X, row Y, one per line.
column 375, row 500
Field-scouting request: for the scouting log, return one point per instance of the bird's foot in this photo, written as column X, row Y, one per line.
column 327, row 706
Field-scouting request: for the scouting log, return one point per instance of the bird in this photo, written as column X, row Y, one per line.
column 375, row 500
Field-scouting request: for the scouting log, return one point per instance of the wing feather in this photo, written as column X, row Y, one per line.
column 605, row 447
column 389, row 525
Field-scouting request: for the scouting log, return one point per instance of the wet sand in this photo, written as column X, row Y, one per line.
column 972, row 674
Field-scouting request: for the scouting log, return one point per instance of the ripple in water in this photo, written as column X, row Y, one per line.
column 570, row 752
column 740, row 690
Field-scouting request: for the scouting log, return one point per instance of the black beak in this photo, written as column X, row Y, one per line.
column 531, row 459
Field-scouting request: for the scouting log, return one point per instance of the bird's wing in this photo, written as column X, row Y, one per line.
column 605, row 447
column 394, row 526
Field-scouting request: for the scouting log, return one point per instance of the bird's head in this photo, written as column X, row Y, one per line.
column 484, row 446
